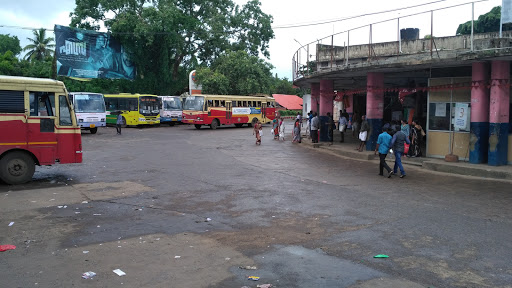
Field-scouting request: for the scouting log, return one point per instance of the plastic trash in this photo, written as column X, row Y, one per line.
column 88, row 274
column 253, row 278
column 10, row 224
column 119, row 272
column 265, row 286
column 248, row 267
column 7, row 247
column 381, row 256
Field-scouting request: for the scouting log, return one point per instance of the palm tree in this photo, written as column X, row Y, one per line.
column 41, row 46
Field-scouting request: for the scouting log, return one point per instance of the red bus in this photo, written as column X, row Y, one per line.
column 37, row 127
column 216, row 110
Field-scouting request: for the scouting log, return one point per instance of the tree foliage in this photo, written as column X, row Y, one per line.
column 169, row 38
column 488, row 22
column 41, row 46
column 9, row 43
column 236, row 73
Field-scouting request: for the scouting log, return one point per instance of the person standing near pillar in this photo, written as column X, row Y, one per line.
column 363, row 133
column 342, row 125
column 383, row 145
column 315, row 125
column 330, row 127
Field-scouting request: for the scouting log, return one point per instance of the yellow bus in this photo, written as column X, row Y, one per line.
column 216, row 110
column 136, row 109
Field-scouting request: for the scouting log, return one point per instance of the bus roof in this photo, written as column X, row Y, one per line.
column 237, row 97
column 29, row 80
column 128, row 95
column 78, row 93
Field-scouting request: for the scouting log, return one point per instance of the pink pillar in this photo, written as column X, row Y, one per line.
column 479, row 140
column 315, row 96
column 499, row 111
column 374, row 107
column 326, row 97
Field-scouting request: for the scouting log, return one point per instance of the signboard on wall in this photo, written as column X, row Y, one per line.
column 461, row 118
column 90, row 54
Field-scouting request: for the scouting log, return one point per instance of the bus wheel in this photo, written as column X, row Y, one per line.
column 215, row 124
column 17, row 168
column 94, row 130
column 123, row 125
column 239, row 125
column 198, row 126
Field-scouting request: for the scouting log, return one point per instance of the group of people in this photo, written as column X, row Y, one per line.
column 400, row 140
column 278, row 129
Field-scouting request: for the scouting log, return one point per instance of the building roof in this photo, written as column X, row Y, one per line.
column 290, row 102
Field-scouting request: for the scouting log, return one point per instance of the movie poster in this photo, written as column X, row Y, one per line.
column 91, row 54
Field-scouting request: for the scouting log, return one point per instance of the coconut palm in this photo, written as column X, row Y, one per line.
column 41, row 46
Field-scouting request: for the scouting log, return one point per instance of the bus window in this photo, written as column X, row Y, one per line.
column 123, row 104
column 41, row 103
column 12, row 101
column 234, row 104
column 132, row 104
column 64, row 112
column 222, row 103
column 259, row 104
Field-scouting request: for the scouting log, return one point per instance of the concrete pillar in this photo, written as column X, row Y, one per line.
column 479, row 137
column 374, row 107
column 326, row 97
column 350, row 110
column 499, row 111
column 315, row 96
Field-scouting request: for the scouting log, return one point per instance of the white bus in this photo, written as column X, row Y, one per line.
column 89, row 109
column 172, row 110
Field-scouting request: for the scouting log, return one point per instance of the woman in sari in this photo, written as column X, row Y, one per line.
column 416, row 139
column 275, row 128
column 296, row 132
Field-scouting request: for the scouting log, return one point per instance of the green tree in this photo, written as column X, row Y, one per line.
column 41, row 46
column 284, row 86
column 168, row 38
column 9, row 64
column 488, row 22
column 9, row 43
column 236, row 73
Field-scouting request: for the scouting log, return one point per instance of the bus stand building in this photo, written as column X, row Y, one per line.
column 457, row 88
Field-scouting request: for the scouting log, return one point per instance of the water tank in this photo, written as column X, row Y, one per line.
column 410, row 34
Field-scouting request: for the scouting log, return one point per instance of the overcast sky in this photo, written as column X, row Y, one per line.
column 37, row 13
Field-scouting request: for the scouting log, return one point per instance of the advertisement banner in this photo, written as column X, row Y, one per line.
column 90, row 54
column 193, row 87
column 506, row 11
column 244, row 111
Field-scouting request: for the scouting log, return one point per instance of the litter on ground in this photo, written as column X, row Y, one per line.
column 119, row 272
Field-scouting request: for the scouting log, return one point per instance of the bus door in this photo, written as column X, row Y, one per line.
column 263, row 111
column 42, row 139
column 229, row 112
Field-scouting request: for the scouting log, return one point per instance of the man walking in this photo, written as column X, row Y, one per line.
column 315, row 125
column 383, row 145
column 119, row 122
column 363, row 133
column 397, row 144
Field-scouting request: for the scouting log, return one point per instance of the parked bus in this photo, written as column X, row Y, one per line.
column 89, row 109
column 38, row 127
column 171, row 111
column 216, row 110
column 137, row 109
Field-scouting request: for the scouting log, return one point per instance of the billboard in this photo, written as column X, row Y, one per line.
column 506, row 11
column 193, row 87
column 91, row 54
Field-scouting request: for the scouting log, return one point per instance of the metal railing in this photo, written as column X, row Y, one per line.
column 303, row 65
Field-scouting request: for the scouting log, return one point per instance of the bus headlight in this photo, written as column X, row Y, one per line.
column 142, row 119
column 102, row 120
column 80, row 120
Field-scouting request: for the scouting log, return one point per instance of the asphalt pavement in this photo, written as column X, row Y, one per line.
column 180, row 207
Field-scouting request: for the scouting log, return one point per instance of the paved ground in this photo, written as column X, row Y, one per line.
column 180, row 207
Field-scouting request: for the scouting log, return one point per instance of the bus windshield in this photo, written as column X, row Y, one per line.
column 149, row 106
column 89, row 103
column 172, row 104
column 194, row 103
